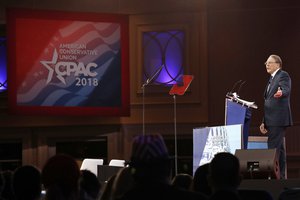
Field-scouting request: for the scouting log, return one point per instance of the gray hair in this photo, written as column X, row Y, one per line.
column 277, row 59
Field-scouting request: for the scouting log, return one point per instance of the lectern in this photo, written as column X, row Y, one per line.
column 238, row 111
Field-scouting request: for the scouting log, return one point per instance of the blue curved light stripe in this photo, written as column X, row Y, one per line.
column 3, row 71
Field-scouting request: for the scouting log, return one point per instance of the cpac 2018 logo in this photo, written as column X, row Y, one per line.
column 63, row 69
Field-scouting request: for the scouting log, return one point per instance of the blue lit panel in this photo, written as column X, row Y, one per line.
column 3, row 72
column 166, row 50
column 257, row 145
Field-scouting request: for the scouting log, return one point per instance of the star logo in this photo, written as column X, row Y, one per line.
column 49, row 65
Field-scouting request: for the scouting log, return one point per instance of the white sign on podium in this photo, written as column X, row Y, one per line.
column 208, row 141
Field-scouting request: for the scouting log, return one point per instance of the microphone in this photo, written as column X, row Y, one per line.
column 240, row 87
column 233, row 87
column 156, row 73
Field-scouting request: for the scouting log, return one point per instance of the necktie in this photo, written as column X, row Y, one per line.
column 269, row 84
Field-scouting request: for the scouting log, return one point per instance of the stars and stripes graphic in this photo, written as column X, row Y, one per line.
column 79, row 66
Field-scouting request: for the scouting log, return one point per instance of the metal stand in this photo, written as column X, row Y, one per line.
column 143, row 88
column 179, row 90
column 175, row 134
column 149, row 80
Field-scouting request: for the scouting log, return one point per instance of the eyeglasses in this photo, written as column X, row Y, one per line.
column 267, row 63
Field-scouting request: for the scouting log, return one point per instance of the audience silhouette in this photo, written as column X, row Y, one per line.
column 183, row 181
column 290, row 194
column 224, row 176
column 224, row 172
column 151, row 169
column 89, row 186
column 2, row 185
column 60, row 177
column 200, row 182
column 122, row 183
column 106, row 193
column 7, row 192
column 147, row 176
column 27, row 183
column 259, row 194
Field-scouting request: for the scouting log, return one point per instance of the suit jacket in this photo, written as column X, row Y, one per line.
column 277, row 111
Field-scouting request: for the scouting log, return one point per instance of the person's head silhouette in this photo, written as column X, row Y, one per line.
column 224, row 172
column 150, row 159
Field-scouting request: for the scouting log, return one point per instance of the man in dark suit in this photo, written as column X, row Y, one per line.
column 277, row 110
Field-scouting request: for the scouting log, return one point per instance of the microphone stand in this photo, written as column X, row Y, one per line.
column 175, row 133
column 178, row 90
column 149, row 80
column 143, row 109
column 233, row 87
column 238, row 92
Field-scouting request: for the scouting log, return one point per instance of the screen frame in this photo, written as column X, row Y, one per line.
column 13, row 14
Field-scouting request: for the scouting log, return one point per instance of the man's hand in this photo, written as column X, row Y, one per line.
column 262, row 128
column 278, row 94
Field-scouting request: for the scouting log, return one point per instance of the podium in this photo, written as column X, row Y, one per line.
column 238, row 111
